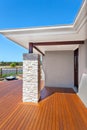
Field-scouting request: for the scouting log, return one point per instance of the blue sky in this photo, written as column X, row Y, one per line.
column 31, row 13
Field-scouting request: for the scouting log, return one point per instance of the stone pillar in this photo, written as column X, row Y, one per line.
column 31, row 78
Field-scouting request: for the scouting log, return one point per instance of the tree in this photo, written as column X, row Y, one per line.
column 13, row 64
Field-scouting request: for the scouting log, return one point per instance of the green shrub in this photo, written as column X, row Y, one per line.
column 13, row 64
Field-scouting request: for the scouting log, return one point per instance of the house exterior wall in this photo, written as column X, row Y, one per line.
column 58, row 67
column 82, row 59
column 82, row 92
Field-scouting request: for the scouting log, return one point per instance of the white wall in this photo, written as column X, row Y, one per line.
column 59, row 68
column 82, row 92
column 82, row 59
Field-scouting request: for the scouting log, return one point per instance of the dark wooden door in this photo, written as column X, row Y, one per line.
column 76, row 68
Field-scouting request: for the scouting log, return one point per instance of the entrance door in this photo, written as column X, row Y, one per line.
column 76, row 68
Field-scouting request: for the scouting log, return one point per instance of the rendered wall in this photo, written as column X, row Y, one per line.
column 82, row 92
column 58, row 67
column 82, row 60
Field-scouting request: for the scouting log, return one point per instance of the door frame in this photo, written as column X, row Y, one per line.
column 76, row 66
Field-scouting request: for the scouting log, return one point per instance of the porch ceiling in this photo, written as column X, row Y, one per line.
column 75, row 32
column 58, row 48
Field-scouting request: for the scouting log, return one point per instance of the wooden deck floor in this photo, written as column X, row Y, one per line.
column 58, row 109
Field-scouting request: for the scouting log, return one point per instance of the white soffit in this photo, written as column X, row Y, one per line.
column 74, row 32
column 58, row 48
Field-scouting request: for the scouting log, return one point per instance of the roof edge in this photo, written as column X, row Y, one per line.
column 76, row 26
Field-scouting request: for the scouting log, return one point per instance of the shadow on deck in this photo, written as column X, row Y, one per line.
column 48, row 91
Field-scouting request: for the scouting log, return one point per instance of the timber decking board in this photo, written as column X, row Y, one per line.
column 58, row 109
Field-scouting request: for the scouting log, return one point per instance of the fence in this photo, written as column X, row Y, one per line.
column 10, row 71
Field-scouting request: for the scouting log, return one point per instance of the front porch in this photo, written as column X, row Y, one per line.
column 59, row 109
